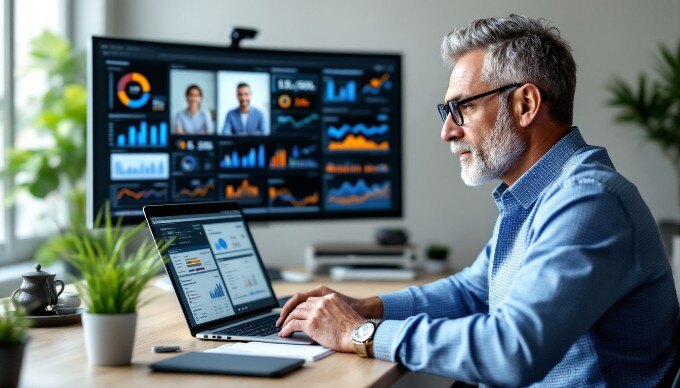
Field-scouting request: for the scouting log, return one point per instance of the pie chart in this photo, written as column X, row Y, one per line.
column 134, row 90
column 221, row 245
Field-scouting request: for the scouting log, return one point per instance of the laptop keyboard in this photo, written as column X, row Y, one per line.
column 258, row 328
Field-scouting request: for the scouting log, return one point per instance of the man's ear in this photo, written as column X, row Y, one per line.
column 526, row 104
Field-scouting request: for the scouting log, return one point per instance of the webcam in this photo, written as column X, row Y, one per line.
column 240, row 33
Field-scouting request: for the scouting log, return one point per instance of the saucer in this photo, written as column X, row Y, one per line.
column 55, row 320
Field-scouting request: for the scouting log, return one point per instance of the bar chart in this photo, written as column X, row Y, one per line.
column 140, row 134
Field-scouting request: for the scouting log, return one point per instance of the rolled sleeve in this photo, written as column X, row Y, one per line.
column 386, row 339
column 397, row 305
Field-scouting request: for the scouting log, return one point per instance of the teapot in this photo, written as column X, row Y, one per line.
column 38, row 292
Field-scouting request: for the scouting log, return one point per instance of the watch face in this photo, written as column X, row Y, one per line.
column 363, row 332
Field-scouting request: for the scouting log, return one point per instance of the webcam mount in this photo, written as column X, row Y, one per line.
column 240, row 33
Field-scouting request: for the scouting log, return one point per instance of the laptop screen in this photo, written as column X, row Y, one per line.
column 214, row 265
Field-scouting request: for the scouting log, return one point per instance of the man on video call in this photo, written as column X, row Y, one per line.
column 246, row 119
column 574, row 286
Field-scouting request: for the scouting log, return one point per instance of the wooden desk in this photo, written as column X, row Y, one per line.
column 56, row 356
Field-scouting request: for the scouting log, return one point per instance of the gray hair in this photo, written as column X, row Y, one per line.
column 520, row 49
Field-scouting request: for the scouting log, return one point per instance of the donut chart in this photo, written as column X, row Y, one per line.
column 140, row 86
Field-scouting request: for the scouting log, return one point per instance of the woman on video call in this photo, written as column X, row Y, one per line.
column 193, row 120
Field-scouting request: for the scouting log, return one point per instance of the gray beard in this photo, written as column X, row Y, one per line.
column 497, row 153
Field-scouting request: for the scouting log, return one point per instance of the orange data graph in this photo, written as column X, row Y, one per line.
column 279, row 160
column 358, row 143
column 286, row 196
column 332, row 168
column 351, row 168
column 137, row 195
column 376, row 168
column 200, row 191
column 244, row 191
column 359, row 194
column 383, row 193
column 376, row 82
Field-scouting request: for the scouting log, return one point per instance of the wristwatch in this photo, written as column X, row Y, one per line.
column 362, row 338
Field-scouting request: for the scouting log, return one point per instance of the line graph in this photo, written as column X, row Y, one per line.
column 296, row 122
column 282, row 196
column 359, row 195
column 368, row 131
column 377, row 85
column 196, row 189
column 142, row 194
column 138, row 194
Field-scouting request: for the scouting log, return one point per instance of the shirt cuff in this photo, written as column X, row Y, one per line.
column 383, row 341
column 397, row 305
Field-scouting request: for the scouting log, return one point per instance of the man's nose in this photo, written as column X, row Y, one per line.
column 450, row 131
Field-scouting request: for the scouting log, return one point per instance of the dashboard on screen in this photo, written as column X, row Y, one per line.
column 287, row 134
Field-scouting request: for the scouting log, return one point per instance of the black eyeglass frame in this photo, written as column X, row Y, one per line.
column 454, row 105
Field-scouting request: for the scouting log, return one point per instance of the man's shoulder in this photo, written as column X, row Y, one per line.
column 590, row 172
column 256, row 112
column 234, row 112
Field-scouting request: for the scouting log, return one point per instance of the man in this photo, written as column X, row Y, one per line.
column 573, row 288
column 246, row 119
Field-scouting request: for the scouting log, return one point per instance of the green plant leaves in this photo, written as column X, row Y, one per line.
column 653, row 106
column 59, row 167
column 13, row 326
column 113, row 277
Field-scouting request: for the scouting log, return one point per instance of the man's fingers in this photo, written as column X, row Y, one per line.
column 299, row 313
column 294, row 302
column 290, row 306
column 292, row 326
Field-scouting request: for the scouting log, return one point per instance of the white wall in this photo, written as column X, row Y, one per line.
column 608, row 37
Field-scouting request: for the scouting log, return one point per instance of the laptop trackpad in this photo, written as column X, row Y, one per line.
column 301, row 336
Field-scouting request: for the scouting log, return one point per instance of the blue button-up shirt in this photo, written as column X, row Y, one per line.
column 574, row 287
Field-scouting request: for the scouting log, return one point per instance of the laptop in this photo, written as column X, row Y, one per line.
column 217, row 272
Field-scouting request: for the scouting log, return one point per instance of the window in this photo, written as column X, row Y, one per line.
column 27, row 220
column 32, row 17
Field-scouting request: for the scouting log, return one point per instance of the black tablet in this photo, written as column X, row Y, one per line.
column 228, row 364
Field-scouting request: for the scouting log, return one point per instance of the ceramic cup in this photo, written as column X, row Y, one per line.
column 68, row 303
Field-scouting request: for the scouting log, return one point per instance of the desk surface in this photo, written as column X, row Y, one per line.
column 56, row 356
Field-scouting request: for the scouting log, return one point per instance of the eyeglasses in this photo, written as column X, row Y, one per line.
column 452, row 107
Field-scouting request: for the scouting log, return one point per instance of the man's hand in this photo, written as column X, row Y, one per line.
column 328, row 319
column 367, row 308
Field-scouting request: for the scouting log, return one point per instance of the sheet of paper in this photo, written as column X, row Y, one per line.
column 309, row 353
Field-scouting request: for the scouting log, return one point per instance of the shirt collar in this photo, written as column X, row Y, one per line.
column 530, row 185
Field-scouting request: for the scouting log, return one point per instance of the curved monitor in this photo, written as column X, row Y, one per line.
column 287, row 134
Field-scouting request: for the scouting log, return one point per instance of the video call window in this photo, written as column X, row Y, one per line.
column 288, row 135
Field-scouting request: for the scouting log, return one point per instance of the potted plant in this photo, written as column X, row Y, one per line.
column 13, row 338
column 56, row 168
column 436, row 258
column 654, row 107
column 111, row 286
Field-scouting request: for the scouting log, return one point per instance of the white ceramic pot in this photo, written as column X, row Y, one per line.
column 109, row 338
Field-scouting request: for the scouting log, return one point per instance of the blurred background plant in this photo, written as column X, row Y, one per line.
column 13, row 323
column 58, row 168
column 654, row 105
